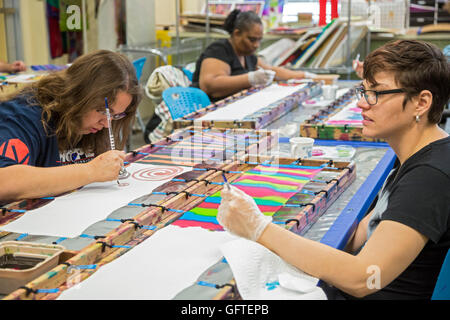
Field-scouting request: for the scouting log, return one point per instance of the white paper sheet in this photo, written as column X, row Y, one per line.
column 163, row 265
column 252, row 103
column 261, row 274
column 25, row 78
column 70, row 214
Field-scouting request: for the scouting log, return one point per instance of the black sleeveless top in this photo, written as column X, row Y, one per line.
column 222, row 50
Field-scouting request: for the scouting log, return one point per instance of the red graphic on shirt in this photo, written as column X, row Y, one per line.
column 16, row 150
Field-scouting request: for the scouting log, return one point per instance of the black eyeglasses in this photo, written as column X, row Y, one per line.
column 371, row 96
column 114, row 116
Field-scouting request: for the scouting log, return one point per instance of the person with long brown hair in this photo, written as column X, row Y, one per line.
column 54, row 133
column 406, row 235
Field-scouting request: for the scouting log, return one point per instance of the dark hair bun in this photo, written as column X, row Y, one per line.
column 230, row 21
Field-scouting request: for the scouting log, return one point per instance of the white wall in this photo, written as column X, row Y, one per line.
column 107, row 37
column 34, row 32
column 192, row 5
column 140, row 21
column 3, row 51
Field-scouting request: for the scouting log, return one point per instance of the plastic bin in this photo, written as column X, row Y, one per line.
column 22, row 262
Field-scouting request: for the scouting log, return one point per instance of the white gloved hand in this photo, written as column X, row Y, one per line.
column 358, row 66
column 239, row 214
column 309, row 75
column 260, row 77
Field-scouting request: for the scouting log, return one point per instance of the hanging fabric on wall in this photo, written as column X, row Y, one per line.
column 73, row 44
column 61, row 39
column 54, row 32
column 270, row 186
column 121, row 22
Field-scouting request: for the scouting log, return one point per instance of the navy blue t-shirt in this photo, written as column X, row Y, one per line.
column 23, row 139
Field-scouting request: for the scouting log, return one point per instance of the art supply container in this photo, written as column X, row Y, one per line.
column 329, row 92
column 22, row 262
column 301, row 147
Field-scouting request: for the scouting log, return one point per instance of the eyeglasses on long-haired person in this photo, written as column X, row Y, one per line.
column 113, row 116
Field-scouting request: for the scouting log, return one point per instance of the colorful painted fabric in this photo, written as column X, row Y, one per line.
column 270, row 186
column 200, row 147
column 350, row 115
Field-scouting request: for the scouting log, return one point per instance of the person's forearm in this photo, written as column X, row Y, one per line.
column 28, row 182
column 286, row 74
column 359, row 236
column 338, row 268
column 222, row 86
column 5, row 67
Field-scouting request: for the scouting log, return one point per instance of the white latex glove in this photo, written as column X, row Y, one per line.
column 239, row 214
column 358, row 66
column 260, row 77
column 309, row 75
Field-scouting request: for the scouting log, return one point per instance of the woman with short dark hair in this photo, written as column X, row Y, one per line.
column 407, row 234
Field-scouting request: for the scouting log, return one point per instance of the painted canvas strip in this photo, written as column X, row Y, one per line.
column 199, row 148
column 350, row 115
column 270, row 187
column 68, row 215
column 248, row 105
column 166, row 263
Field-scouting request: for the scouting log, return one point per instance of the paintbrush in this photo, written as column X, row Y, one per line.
column 355, row 64
column 111, row 135
column 226, row 181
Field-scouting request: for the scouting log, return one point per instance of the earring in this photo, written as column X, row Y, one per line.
column 417, row 118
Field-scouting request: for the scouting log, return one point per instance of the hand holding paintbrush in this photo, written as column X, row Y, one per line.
column 123, row 171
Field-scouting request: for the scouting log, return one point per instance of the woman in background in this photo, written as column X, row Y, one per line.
column 228, row 66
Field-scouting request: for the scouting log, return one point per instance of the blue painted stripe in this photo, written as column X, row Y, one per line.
column 83, row 267
column 197, row 217
column 17, row 211
column 206, row 284
column 59, row 240
column 118, row 246
column 86, row 236
column 114, row 220
column 55, row 290
column 23, row 235
column 175, row 210
column 149, row 227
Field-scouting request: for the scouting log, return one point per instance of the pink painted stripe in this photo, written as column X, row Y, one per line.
column 291, row 172
column 270, row 180
column 208, row 205
column 259, row 192
column 204, row 225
